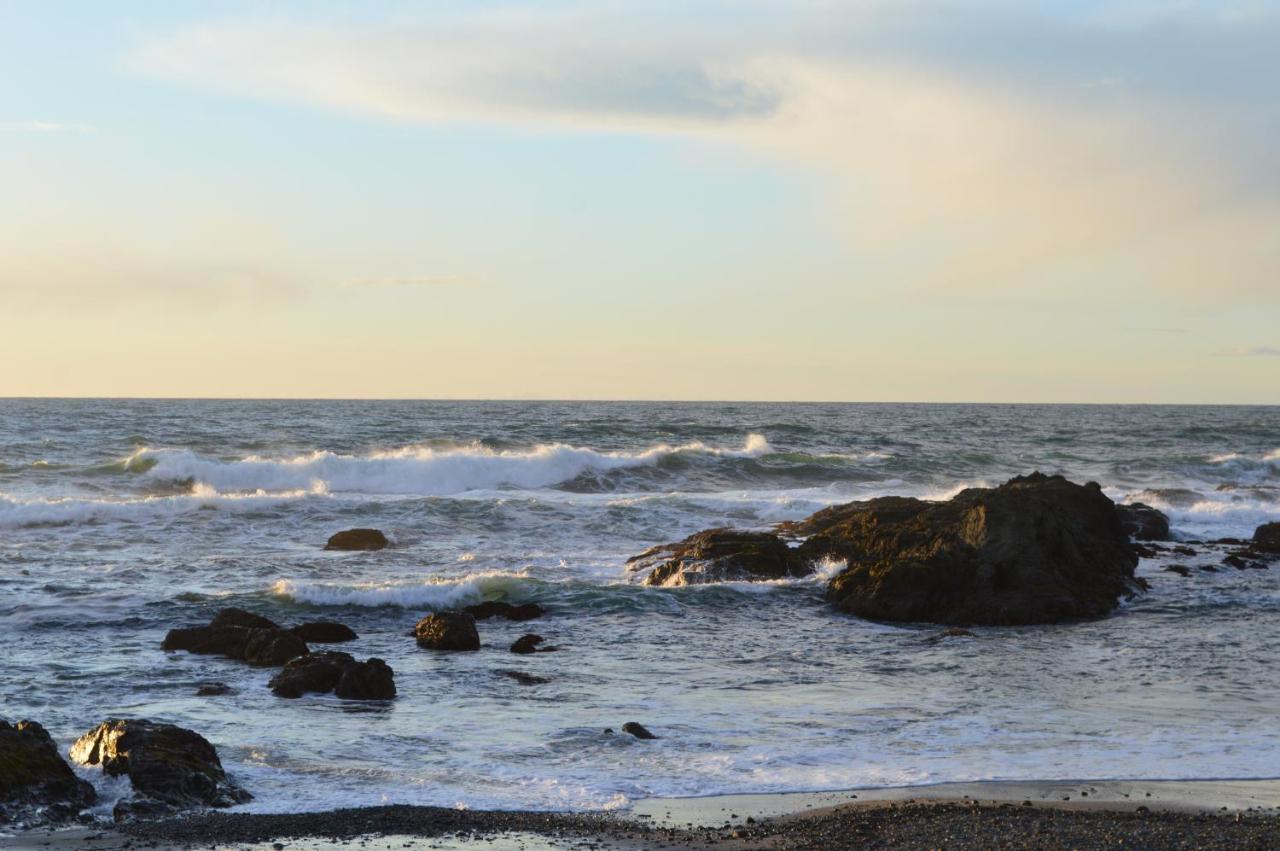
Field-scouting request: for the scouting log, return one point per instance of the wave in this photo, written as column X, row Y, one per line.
column 435, row 595
column 415, row 470
column 16, row 512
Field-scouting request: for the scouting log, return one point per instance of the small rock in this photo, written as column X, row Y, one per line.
column 1180, row 569
column 1266, row 538
column 324, row 632
column 239, row 617
column 448, row 631
column 212, row 689
column 637, row 730
column 522, row 678
column 527, row 644
column 357, row 539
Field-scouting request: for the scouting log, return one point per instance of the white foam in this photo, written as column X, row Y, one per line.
column 434, row 595
column 416, row 470
column 16, row 512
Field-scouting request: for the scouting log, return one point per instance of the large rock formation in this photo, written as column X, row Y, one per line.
column 169, row 767
column 448, row 631
column 1266, row 538
column 1037, row 549
column 1142, row 522
column 241, row 635
column 357, row 539
column 335, row 672
column 720, row 555
column 36, row 784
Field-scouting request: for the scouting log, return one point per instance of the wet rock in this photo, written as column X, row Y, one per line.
column 1208, row 568
column 1243, row 560
column 529, row 643
column 1143, row 523
column 357, row 539
column 1184, row 550
column 262, row 647
column 239, row 617
column 335, row 672
column 36, row 785
column 270, row 648
column 324, row 632
column 1180, row 569
column 637, row 730
column 1037, row 549
column 448, row 631
column 169, row 767
column 522, row 678
column 720, row 555
column 1266, row 538
column 499, row 609
column 212, row 689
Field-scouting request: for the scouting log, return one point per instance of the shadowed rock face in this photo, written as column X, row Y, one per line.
column 501, row 609
column 338, row 673
column 36, row 784
column 720, row 555
column 448, row 631
column 239, row 617
column 324, row 632
column 1266, row 538
column 1037, row 549
column 357, row 539
column 1143, row 523
column 262, row 647
column 169, row 767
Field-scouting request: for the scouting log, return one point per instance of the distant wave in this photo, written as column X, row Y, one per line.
column 414, row 470
column 15, row 512
column 431, row 596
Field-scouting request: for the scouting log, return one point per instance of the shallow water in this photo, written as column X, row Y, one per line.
column 121, row 519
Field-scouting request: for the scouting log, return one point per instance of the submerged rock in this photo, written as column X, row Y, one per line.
column 448, row 631
column 335, row 672
column 1143, row 523
column 357, row 539
column 529, row 643
column 720, row 555
column 637, row 730
column 500, row 609
column 1037, row 549
column 212, row 689
column 36, row 784
column 169, row 767
column 522, row 678
column 1266, row 538
column 324, row 632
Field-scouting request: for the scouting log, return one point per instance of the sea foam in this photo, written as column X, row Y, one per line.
column 434, row 595
column 16, row 512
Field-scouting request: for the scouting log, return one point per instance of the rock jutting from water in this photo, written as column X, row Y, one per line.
column 447, row 631
column 502, row 609
column 720, row 555
column 170, row 768
column 357, row 540
column 1142, row 522
column 36, row 784
column 335, row 672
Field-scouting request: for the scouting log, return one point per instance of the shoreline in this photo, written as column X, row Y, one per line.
column 1205, row 813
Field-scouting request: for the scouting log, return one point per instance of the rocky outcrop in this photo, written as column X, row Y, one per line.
column 500, row 609
column 1142, row 522
column 232, row 634
column 357, row 539
column 1266, row 538
column 36, row 784
column 530, row 643
column 335, row 672
column 1037, row 549
column 448, row 631
column 638, row 730
column 170, row 768
column 324, row 632
column 720, row 555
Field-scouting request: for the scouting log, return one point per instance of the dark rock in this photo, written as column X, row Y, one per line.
column 324, row 632
column 1143, row 523
column 499, row 609
column 1244, row 560
column 357, row 539
column 1208, row 568
column 212, row 689
column 526, row 644
column 36, row 784
column 263, row 647
column 637, row 730
column 335, row 672
column 448, row 631
column 239, row 617
column 1266, row 538
column 524, row 679
column 1184, row 550
column 1037, row 549
column 720, row 555
column 271, row 648
column 1180, row 569
column 1143, row 551
column 169, row 767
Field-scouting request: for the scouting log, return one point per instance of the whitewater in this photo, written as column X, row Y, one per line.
column 122, row 519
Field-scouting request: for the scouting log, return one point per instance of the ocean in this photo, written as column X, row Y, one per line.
column 122, row 519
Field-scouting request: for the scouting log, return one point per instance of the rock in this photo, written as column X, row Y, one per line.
column 169, row 767
column 1037, row 549
column 324, row 632
column 212, row 689
column 239, row 617
column 1180, row 569
column 271, row 648
column 263, row 647
column 1208, row 568
column 528, row 643
column 357, row 539
column 637, row 730
column 499, row 609
column 720, row 555
column 1143, row 523
column 1244, row 560
column 36, row 784
column 335, row 672
column 524, row 679
column 448, row 631
column 1266, row 538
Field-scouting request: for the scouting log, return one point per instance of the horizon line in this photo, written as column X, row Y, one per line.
column 556, row 400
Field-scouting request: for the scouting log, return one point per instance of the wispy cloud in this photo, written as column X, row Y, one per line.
column 1253, row 352
column 52, row 127
column 430, row 282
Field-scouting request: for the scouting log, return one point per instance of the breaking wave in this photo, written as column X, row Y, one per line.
column 434, row 595
column 15, row 512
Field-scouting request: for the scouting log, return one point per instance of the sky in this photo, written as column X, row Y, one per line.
column 850, row 201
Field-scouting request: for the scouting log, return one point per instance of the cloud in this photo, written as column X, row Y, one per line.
column 52, row 127
column 970, row 146
column 430, row 282
column 1253, row 352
